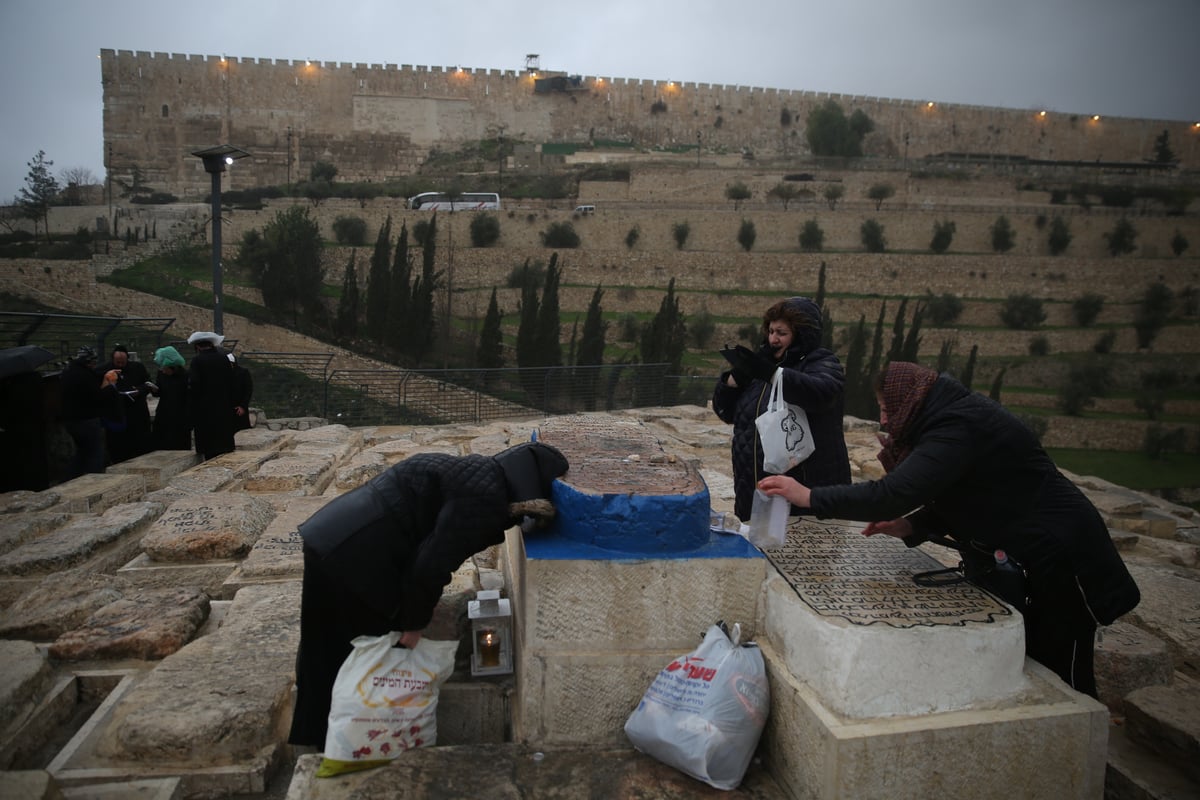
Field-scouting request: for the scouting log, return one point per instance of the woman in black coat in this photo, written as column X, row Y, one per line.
column 960, row 466
column 376, row 559
column 813, row 379
column 172, row 426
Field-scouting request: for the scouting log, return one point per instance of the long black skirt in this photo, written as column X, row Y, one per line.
column 331, row 616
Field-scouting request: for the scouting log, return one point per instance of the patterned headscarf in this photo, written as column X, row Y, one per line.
column 905, row 386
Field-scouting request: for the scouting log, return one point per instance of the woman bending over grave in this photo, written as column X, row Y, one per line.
column 962, row 469
column 376, row 559
column 813, row 379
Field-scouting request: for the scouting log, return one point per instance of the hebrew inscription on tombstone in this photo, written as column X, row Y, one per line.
column 206, row 527
column 838, row 572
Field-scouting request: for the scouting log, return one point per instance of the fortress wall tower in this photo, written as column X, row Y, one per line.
column 380, row 121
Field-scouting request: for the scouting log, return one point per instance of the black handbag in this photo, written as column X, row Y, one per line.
column 1007, row 578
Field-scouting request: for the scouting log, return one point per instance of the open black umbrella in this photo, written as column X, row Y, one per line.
column 27, row 358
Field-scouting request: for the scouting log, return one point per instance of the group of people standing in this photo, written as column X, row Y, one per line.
column 105, row 409
column 960, row 469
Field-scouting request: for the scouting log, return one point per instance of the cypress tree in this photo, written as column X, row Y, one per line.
column 377, row 283
column 968, row 376
column 399, row 299
column 347, row 313
column 855, row 364
column 912, row 342
column 490, row 354
column 663, row 340
column 423, row 319
column 527, row 335
column 547, row 344
column 591, row 348
column 896, row 351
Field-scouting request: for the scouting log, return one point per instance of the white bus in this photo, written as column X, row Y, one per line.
column 467, row 201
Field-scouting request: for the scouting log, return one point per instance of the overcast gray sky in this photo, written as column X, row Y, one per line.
column 1112, row 57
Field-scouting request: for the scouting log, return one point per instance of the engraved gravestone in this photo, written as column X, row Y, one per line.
column 207, row 527
column 871, row 642
column 837, row 572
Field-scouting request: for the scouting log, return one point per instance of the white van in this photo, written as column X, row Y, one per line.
column 585, row 209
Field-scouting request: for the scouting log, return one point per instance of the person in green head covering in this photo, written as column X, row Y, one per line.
column 172, row 429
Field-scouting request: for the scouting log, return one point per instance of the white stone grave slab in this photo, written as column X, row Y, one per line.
column 861, row 621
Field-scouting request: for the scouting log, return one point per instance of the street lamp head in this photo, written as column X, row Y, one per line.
column 217, row 158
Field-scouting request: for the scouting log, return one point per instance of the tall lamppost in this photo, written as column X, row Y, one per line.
column 215, row 160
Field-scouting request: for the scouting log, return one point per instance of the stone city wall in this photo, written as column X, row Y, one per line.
column 380, row 121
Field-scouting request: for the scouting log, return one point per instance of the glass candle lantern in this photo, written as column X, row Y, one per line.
column 491, row 634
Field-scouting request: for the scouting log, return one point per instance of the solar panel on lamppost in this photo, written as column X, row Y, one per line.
column 215, row 160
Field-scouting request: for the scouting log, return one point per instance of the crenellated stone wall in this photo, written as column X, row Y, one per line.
column 379, row 121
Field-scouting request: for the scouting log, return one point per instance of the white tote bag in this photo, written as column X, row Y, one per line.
column 384, row 701
column 783, row 430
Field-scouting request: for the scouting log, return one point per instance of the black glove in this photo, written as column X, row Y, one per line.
column 748, row 362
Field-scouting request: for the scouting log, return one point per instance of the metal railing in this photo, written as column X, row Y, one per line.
column 64, row 334
column 301, row 384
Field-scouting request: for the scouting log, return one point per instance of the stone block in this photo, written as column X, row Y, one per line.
column 474, row 712
column 146, row 624
column 23, row 501
column 1170, row 609
column 58, row 603
column 1135, row 773
column 846, row 617
column 204, row 527
column 242, row 463
column 157, row 467
column 1048, row 742
column 18, row 528
column 1166, row 721
column 238, row 683
column 106, row 541
column 1128, row 658
column 360, row 469
column 278, row 551
column 203, row 479
column 25, row 676
column 212, row 577
column 300, row 475
column 395, row 450
column 95, row 493
column 591, row 625
column 263, row 438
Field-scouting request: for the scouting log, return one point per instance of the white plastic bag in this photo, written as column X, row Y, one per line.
column 768, row 521
column 783, row 430
column 384, row 701
column 705, row 711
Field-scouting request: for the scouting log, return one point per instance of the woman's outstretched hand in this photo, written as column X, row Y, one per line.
column 795, row 492
column 900, row 528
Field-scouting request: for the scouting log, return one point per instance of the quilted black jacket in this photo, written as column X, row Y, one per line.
column 396, row 540
column 813, row 379
column 979, row 476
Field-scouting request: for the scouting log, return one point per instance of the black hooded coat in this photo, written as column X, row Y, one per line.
column 377, row 559
column 813, row 379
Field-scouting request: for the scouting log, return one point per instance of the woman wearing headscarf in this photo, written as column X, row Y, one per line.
column 962, row 467
column 172, row 428
column 813, row 379
column 376, row 559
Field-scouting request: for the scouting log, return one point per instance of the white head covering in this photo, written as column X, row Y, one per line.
column 209, row 336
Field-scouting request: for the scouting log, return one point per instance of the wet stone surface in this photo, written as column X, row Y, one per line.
column 206, row 527
column 147, row 624
column 79, row 539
